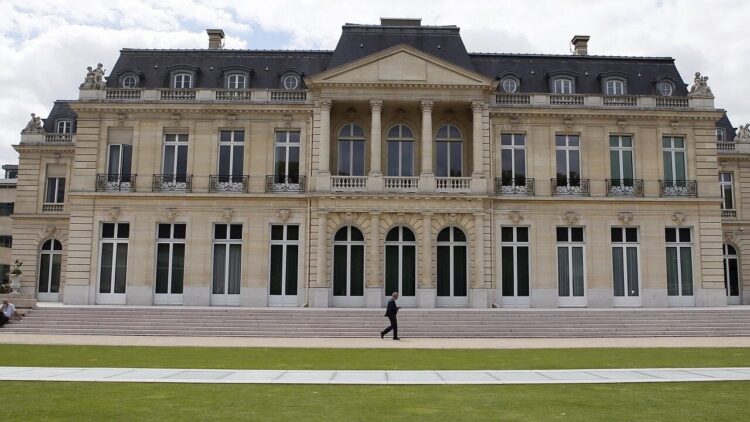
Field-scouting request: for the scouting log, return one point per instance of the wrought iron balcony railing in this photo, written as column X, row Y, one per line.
column 514, row 186
column 282, row 183
column 228, row 183
column 624, row 187
column 172, row 183
column 678, row 187
column 115, row 182
column 570, row 186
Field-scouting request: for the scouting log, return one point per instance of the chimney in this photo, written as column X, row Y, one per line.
column 400, row 21
column 215, row 38
column 580, row 44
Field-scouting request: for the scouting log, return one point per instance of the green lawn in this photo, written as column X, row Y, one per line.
column 281, row 358
column 697, row 401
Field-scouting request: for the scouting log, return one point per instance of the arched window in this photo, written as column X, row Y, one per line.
column 731, row 272
column 614, row 87
column 348, row 262
column 400, row 151
column 562, row 86
column 236, row 81
column 183, row 81
column 451, row 263
column 400, row 262
column 129, row 81
column 64, row 126
column 449, row 152
column 351, row 142
column 50, row 259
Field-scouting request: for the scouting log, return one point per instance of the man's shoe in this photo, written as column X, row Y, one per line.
column 397, row 338
column 382, row 335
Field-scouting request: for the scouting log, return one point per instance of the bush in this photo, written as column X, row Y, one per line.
column 5, row 288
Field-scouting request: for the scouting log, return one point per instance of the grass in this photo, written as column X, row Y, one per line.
column 603, row 402
column 364, row 359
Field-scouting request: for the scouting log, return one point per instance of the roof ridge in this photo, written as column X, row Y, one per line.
column 570, row 56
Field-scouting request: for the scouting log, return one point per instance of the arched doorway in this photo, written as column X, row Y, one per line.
column 348, row 267
column 452, row 288
column 401, row 265
column 732, row 275
column 50, row 263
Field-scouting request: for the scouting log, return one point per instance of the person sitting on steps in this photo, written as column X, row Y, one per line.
column 7, row 312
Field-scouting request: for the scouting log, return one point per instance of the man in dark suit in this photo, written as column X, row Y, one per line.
column 391, row 312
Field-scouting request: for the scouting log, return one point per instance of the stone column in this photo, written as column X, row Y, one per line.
column 426, row 107
column 426, row 291
column 319, row 293
column 376, row 106
column 324, row 146
column 478, row 294
column 374, row 282
column 477, row 108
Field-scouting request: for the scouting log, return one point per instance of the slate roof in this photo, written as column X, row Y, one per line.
column 729, row 130
column 61, row 110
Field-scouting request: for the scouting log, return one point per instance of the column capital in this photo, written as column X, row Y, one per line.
column 326, row 103
column 376, row 105
column 477, row 106
column 426, row 105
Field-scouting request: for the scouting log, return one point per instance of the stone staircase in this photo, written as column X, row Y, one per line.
column 456, row 323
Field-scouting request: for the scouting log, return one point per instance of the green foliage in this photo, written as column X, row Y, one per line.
column 17, row 264
column 5, row 288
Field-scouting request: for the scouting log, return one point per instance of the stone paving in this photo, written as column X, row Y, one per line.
column 212, row 376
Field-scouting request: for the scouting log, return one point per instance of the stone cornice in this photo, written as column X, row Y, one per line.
column 603, row 113
column 60, row 149
column 151, row 107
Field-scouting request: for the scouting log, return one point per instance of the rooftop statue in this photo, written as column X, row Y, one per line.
column 743, row 133
column 700, row 87
column 34, row 125
column 94, row 78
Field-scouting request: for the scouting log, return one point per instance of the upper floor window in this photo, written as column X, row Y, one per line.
column 351, row 142
column 673, row 150
column 6, row 208
column 727, row 191
column 290, row 81
column 175, row 155
column 614, row 87
column 55, row 190
column 400, row 151
column 562, row 86
column 449, row 151
column 510, row 85
column 236, row 81
column 286, row 167
column 129, row 81
column 720, row 135
column 513, row 159
column 64, row 126
column 665, row 88
column 183, row 81
column 231, row 152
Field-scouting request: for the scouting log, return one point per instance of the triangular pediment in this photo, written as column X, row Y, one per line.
column 401, row 65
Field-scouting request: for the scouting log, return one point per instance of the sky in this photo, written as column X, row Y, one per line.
column 46, row 45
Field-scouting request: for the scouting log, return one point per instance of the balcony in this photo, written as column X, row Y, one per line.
column 512, row 99
column 283, row 183
column 678, row 187
column 177, row 94
column 172, row 183
column 725, row 147
column 401, row 184
column 572, row 186
column 289, row 95
column 619, row 101
column 123, row 94
column 565, row 99
column 53, row 207
column 624, row 187
column 729, row 214
column 453, row 184
column 227, row 183
column 514, row 186
column 233, row 95
column 115, row 182
column 58, row 138
column 672, row 102
column 348, row 183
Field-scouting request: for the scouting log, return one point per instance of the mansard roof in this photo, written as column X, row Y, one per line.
column 729, row 130
column 61, row 110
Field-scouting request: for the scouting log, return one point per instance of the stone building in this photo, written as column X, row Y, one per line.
column 398, row 161
column 7, row 200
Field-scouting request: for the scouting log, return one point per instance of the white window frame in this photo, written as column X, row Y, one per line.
column 290, row 82
column 232, row 144
column 236, row 81
column 348, row 299
column 614, row 87
column 226, row 298
column 569, row 149
column 450, row 138
column 59, row 182
column 169, row 297
column 401, row 139
column 180, row 139
column 285, row 242
column 509, row 85
column 514, row 146
column 571, row 299
column 515, row 299
column 562, row 86
column 678, row 244
column 48, row 295
column 620, row 149
column 112, row 297
column 350, row 137
column 732, row 299
column 182, row 80
column 720, row 135
column 287, row 146
column 452, row 243
column 672, row 150
column 129, row 82
column 665, row 88
column 64, row 126
column 401, row 244
column 629, row 298
column 726, row 179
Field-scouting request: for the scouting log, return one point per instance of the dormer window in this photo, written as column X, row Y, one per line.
column 64, row 126
column 129, row 81
column 562, row 86
column 614, row 87
column 665, row 88
column 720, row 135
column 236, row 81
column 290, row 81
column 509, row 85
column 182, row 81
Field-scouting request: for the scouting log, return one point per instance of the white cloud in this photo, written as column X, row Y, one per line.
column 47, row 44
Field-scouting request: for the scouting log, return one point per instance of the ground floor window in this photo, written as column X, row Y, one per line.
column 170, row 258
column 227, row 256
column 400, row 262
column 348, row 262
column 50, row 260
column 731, row 271
column 625, row 261
column 113, row 263
column 679, row 262
column 284, row 259
column 570, row 261
column 514, row 251
column 451, row 262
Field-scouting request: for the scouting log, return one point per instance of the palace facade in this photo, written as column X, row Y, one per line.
column 398, row 161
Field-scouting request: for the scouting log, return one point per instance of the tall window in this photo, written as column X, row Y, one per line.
column 64, row 126
column 113, row 262
column 227, row 266
column 55, row 190
column 614, row 87
column 231, row 154
column 562, row 86
column 348, row 262
column 236, row 81
column 50, row 260
column 284, row 259
column 570, row 271
column 451, row 262
column 449, row 152
column 119, row 160
column 400, row 151
column 351, row 143
column 170, row 258
column 731, row 271
column 621, row 160
column 175, row 157
column 183, row 81
column 286, row 168
column 513, row 159
column 673, row 150
column 625, row 261
column 679, row 262
column 514, row 251
column 720, row 135
column 400, row 262
column 568, row 158
column 727, row 191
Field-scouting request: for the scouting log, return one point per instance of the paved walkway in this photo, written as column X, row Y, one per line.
column 581, row 376
column 375, row 342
